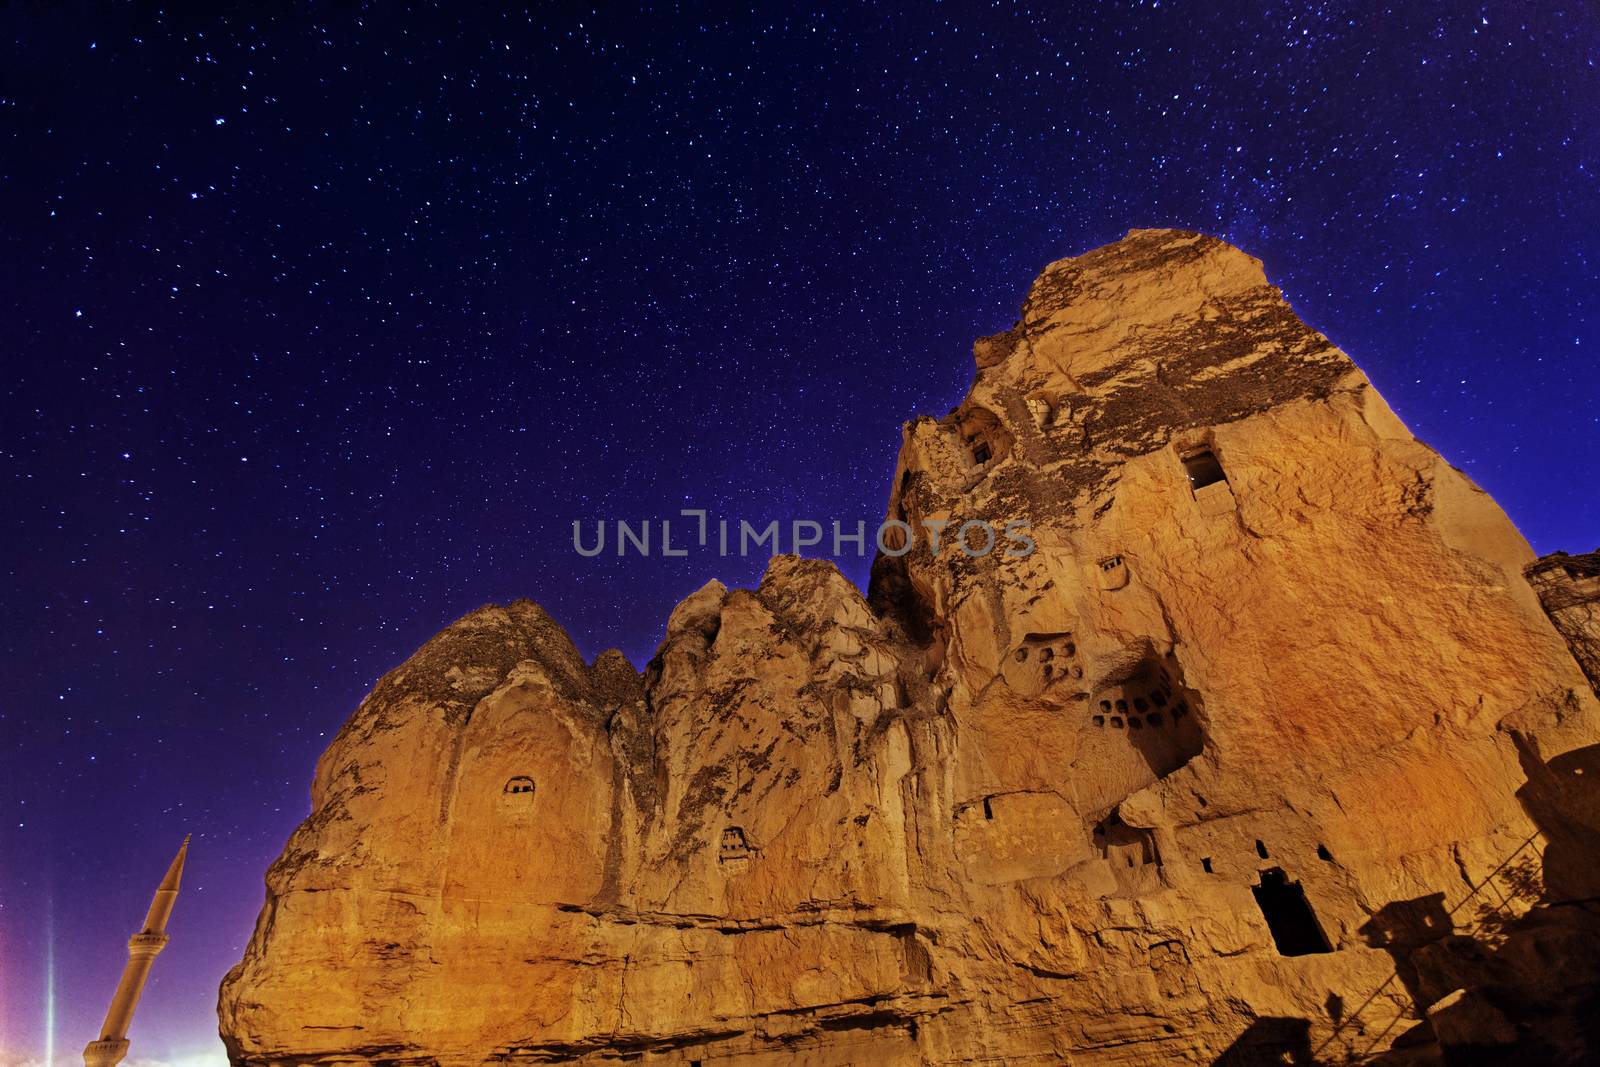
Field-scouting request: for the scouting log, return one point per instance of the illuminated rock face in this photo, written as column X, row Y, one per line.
column 1270, row 715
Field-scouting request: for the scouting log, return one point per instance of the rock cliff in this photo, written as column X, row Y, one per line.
column 1268, row 749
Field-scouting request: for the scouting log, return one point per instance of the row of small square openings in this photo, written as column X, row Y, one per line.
column 1138, row 712
column 1134, row 722
column 734, row 846
column 1047, row 653
column 1113, row 573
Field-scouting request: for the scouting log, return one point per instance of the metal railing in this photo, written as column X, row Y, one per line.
column 1472, row 893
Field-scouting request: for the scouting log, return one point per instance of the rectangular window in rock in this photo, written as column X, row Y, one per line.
column 1113, row 573
column 1294, row 926
column 1203, row 469
column 733, row 845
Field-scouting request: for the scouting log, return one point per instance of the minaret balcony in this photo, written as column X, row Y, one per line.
column 104, row 1053
column 146, row 944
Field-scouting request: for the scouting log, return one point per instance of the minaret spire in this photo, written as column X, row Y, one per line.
column 143, row 947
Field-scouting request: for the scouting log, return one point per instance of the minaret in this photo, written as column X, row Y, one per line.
column 143, row 948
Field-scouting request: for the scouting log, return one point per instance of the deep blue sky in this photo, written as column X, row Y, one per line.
column 320, row 330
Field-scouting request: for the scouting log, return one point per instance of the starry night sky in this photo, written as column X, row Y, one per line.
column 321, row 329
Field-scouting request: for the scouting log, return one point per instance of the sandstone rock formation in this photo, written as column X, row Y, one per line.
column 1268, row 749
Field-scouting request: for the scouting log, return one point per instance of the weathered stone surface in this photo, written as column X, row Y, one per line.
column 1275, row 765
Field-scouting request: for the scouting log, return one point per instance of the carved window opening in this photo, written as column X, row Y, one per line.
column 1323, row 854
column 988, row 809
column 521, row 785
column 734, row 846
column 982, row 438
column 1130, row 851
column 1203, row 469
column 1261, row 849
column 1205, row 865
column 1294, row 926
column 1113, row 573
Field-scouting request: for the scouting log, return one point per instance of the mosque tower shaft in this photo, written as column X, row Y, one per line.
column 143, row 948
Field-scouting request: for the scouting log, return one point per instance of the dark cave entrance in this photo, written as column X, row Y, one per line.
column 1294, row 925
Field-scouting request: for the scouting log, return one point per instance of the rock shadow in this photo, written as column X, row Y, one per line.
column 1562, row 797
column 1511, row 974
column 1270, row 1040
column 1403, row 926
